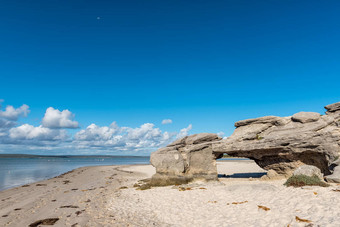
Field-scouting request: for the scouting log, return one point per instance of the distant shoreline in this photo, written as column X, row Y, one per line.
column 67, row 156
column 21, row 169
column 23, row 156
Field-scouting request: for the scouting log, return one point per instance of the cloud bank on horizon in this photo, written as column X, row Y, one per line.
column 55, row 134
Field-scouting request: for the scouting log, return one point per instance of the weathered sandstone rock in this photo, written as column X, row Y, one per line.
column 305, row 117
column 308, row 170
column 333, row 107
column 272, row 175
column 335, row 176
column 335, row 170
column 277, row 144
column 283, row 144
column 184, row 160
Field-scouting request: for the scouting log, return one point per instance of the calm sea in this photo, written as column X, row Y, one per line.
column 16, row 170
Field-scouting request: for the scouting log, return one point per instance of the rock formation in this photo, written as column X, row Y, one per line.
column 335, row 170
column 309, row 171
column 185, row 159
column 284, row 143
column 277, row 144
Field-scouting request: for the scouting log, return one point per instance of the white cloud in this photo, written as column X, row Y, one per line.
column 184, row 132
column 29, row 132
column 166, row 121
column 55, row 119
column 94, row 132
column 146, row 131
column 13, row 114
column 8, row 118
column 124, row 138
column 52, row 134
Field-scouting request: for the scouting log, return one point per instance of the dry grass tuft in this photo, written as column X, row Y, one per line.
column 263, row 207
column 303, row 180
column 302, row 220
column 145, row 187
column 143, row 184
column 184, row 189
column 236, row 203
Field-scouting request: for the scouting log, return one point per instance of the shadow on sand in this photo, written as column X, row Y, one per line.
column 242, row 175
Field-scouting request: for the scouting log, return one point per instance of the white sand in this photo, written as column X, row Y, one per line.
column 103, row 202
column 167, row 206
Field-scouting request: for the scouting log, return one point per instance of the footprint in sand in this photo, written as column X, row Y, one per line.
column 78, row 212
column 69, row 206
column 48, row 221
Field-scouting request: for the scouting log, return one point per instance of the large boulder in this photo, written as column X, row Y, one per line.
column 283, row 144
column 309, row 171
column 305, row 117
column 186, row 159
column 335, row 176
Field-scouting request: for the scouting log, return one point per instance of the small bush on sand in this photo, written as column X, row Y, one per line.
column 303, row 180
column 143, row 184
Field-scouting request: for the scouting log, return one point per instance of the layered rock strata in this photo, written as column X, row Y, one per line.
column 284, row 143
column 184, row 160
column 277, row 144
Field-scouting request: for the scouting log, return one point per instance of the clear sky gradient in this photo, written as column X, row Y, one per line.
column 205, row 63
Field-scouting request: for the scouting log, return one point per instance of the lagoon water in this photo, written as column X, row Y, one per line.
column 16, row 170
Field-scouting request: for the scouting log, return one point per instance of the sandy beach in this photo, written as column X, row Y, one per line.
column 105, row 196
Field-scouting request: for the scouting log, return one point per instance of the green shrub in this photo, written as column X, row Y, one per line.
column 143, row 184
column 258, row 137
column 303, row 180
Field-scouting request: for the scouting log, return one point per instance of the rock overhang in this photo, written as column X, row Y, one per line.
column 278, row 144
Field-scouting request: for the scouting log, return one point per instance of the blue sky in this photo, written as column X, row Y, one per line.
column 200, row 63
